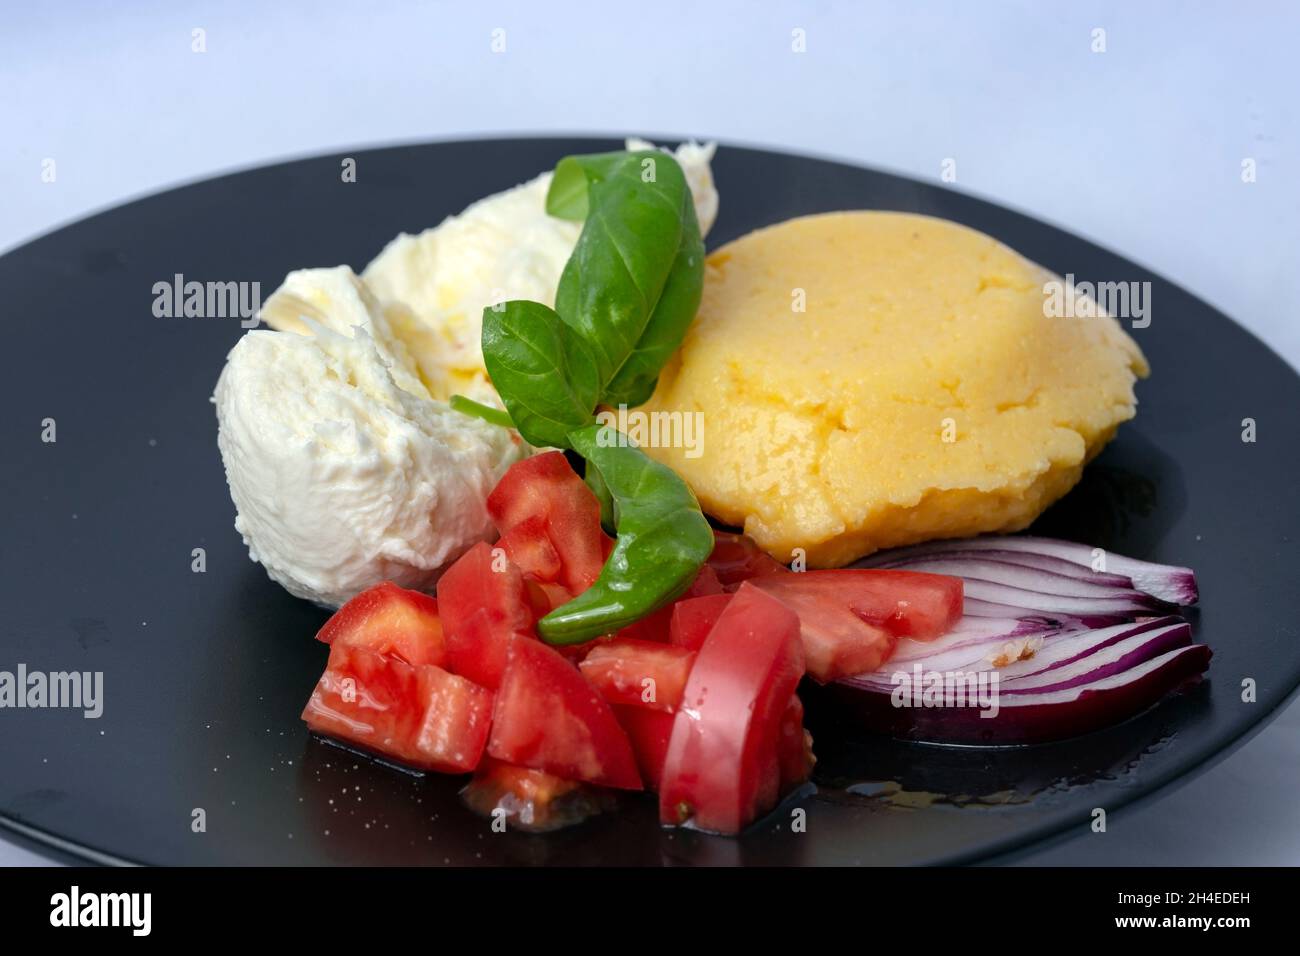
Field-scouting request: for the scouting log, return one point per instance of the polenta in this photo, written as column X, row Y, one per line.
column 871, row 379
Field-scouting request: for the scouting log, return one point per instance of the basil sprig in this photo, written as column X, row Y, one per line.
column 544, row 373
column 633, row 283
column 663, row 539
column 625, row 300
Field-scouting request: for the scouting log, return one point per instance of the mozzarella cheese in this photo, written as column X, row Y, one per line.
column 341, row 476
column 434, row 286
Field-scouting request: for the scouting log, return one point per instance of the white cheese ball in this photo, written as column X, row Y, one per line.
column 342, row 479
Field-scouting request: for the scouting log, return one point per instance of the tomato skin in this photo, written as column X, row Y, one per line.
column 545, row 487
column 482, row 610
column 619, row 670
column 912, row 604
column 650, row 732
column 547, row 717
column 737, row 557
column 421, row 716
column 693, row 618
column 722, row 769
column 389, row 619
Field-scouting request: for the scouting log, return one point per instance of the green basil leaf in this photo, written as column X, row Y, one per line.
column 663, row 541
column 566, row 198
column 678, row 302
column 545, row 375
column 620, row 267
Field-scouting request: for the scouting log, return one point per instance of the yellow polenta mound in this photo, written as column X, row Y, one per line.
column 920, row 393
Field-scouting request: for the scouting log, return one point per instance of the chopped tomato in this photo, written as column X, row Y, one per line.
column 851, row 620
column 640, row 673
column 706, row 582
column 388, row 619
column 693, row 618
column 549, row 718
column 911, row 604
column 545, row 487
column 529, row 546
column 737, row 557
column 421, row 715
column 531, row 800
column 722, row 767
column 836, row 642
column 653, row 628
column 657, row 626
column 457, row 718
column 650, row 732
column 545, row 597
column 478, row 651
column 484, row 604
column 794, row 750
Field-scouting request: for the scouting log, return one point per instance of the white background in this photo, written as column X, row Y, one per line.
column 1139, row 148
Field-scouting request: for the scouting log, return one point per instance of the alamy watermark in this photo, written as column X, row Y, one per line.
column 133, row 911
column 656, row 429
column 1065, row 298
column 191, row 299
column 922, row 688
column 74, row 690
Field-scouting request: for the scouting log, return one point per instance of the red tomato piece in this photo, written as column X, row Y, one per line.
column 545, row 597
column 706, row 582
column 650, row 732
column 652, row 628
column 911, row 604
column 737, row 557
column 640, row 673
column 549, row 718
column 532, row 800
column 852, row 619
column 794, row 750
column 658, row 626
column 457, row 718
column 722, row 769
column 528, row 545
column 836, row 642
column 421, row 716
column 693, row 618
column 389, row 619
column 478, row 651
column 544, row 486
column 484, row 604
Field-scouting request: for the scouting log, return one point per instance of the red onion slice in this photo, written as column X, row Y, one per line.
column 992, row 571
column 1069, row 648
column 1177, row 585
column 973, row 632
column 1101, row 663
column 1034, row 717
column 905, row 557
column 1037, row 602
column 974, row 607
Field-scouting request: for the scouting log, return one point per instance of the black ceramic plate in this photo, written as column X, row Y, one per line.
column 205, row 674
